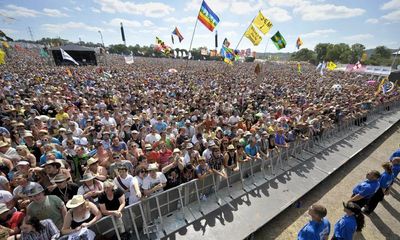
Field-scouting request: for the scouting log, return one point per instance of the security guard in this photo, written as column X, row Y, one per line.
column 351, row 222
column 318, row 228
column 363, row 191
column 385, row 181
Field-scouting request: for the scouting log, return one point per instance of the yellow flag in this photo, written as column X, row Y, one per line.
column 378, row 90
column 253, row 36
column 331, row 65
column 2, row 57
column 5, row 44
column 298, row 67
column 262, row 23
column 364, row 57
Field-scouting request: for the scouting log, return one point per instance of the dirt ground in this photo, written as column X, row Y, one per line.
column 383, row 224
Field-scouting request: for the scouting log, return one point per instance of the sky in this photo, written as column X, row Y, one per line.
column 370, row 22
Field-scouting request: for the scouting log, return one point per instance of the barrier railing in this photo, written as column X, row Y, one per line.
column 172, row 209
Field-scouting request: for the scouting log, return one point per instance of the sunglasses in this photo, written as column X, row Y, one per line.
column 117, row 157
column 143, row 171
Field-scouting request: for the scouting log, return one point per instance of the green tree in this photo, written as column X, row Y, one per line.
column 357, row 51
column 304, row 54
column 321, row 49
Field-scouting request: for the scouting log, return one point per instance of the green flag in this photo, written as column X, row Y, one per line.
column 278, row 40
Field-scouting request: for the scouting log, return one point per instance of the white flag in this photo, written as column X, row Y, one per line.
column 175, row 54
column 129, row 59
column 66, row 56
column 190, row 55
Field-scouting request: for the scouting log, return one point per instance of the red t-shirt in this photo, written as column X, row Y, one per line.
column 164, row 156
column 15, row 220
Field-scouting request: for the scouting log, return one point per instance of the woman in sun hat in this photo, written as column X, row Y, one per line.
column 81, row 213
column 91, row 187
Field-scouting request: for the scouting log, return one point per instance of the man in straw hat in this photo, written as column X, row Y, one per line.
column 65, row 189
column 44, row 207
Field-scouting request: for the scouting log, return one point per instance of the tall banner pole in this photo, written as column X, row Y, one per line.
column 191, row 40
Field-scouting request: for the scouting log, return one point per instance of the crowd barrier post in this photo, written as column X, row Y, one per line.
column 116, row 228
column 197, row 195
column 145, row 226
column 132, row 216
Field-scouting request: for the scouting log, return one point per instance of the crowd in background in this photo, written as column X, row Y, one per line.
column 79, row 143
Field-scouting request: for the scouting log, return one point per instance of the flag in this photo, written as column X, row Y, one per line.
column 252, row 35
column 262, row 23
column 69, row 73
column 299, row 42
column 3, row 35
column 66, row 56
column 380, row 86
column 331, row 66
column 207, row 17
column 2, row 57
column 162, row 47
column 178, row 34
column 226, row 43
column 357, row 66
column 43, row 53
column 175, row 54
column 5, row 44
column 216, row 39
column 227, row 53
column 278, row 40
column 298, row 67
column 322, row 68
column 129, row 59
column 122, row 33
column 364, row 57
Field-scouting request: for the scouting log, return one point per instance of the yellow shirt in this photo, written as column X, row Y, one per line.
column 61, row 116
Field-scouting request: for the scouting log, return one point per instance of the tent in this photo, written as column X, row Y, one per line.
column 83, row 55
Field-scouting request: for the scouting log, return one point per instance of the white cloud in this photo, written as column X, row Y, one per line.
column 392, row 16
column 69, row 26
column 243, row 8
column 372, row 20
column 78, row 9
column 150, row 9
column 148, row 23
column 236, row 7
column 318, row 33
column 393, row 4
column 66, row 9
column 116, row 22
column 320, row 12
column 95, row 10
column 286, row 3
column 9, row 31
column 358, row 37
column 229, row 24
column 53, row 13
column 16, row 11
column 181, row 20
column 276, row 14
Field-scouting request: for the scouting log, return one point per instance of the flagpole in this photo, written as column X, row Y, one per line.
column 244, row 33
column 191, row 40
column 394, row 60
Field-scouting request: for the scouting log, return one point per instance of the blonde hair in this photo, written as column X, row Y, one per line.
column 109, row 183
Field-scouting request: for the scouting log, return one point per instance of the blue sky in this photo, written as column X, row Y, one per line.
column 371, row 22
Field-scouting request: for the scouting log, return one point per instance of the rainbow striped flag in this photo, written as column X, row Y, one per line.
column 207, row 17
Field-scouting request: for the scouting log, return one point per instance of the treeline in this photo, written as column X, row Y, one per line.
column 343, row 53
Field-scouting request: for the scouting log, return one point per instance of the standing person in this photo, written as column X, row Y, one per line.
column 155, row 181
column 318, row 228
column 124, row 180
column 44, row 207
column 82, row 214
column 351, row 222
column 65, row 189
column 385, row 181
column 112, row 202
column 363, row 191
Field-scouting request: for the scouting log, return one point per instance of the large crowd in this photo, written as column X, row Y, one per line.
column 79, row 143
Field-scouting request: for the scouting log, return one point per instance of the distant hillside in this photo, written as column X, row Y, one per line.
column 274, row 56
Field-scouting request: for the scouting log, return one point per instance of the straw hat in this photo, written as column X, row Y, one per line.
column 152, row 167
column 4, row 144
column 58, row 164
column 76, row 201
column 231, row 147
column 59, row 178
column 176, row 150
column 3, row 208
column 35, row 190
column 87, row 177
column 92, row 161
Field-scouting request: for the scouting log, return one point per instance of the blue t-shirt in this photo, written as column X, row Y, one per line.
column 280, row 139
column 386, row 180
column 252, row 151
column 315, row 230
column 43, row 158
column 160, row 126
column 345, row 228
column 366, row 188
column 396, row 170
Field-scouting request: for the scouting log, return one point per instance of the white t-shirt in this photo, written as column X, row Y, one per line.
column 149, row 182
column 5, row 196
column 207, row 154
column 150, row 138
column 126, row 181
column 132, row 192
column 233, row 120
column 109, row 121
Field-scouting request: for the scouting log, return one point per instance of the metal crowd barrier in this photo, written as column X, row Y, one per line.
column 170, row 209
